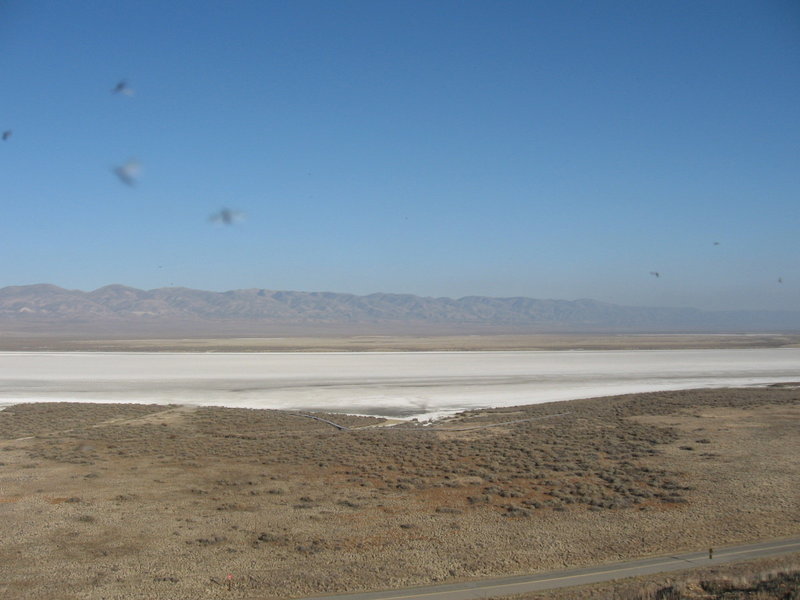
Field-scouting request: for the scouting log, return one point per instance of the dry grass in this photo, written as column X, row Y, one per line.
column 123, row 501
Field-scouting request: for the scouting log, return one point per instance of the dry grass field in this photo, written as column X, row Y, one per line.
column 132, row 501
column 400, row 343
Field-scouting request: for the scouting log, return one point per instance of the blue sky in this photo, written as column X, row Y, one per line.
column 544, row 149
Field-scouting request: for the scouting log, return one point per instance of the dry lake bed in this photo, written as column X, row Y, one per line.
column 397, row 384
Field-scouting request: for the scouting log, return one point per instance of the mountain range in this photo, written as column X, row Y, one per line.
column 126, row 309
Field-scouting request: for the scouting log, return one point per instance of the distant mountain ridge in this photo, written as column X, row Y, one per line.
column 119, row 304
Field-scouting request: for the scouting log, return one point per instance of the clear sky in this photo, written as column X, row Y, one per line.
column 440, row 148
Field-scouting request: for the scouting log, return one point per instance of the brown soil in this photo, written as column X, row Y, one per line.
column 129, row 501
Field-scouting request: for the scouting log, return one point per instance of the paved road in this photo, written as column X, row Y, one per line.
column 506, row 586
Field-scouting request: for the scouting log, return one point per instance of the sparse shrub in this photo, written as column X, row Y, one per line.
column 449, row 510
column 271, row 538
column 209, row 541
column 516, row 511
column 478, row 499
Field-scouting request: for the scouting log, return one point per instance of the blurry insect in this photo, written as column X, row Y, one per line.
column 421, row 403
column 122, row 88
column 780, row 279
column 655, row 274
column 226, row 216
column 7, row 134
column 716, row 243
column 128, row 172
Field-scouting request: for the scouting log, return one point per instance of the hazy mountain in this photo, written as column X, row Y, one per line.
column 125, row 308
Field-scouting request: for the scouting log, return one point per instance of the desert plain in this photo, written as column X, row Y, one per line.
column 303, row 340
column 144, row 501
column 113, row 501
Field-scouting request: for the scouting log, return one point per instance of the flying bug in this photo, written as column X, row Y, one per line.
column 122, row 88
column 226, row 216
column 128, row 172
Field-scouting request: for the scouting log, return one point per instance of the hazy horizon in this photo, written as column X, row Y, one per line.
column 635, row 154
column 395, row 293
